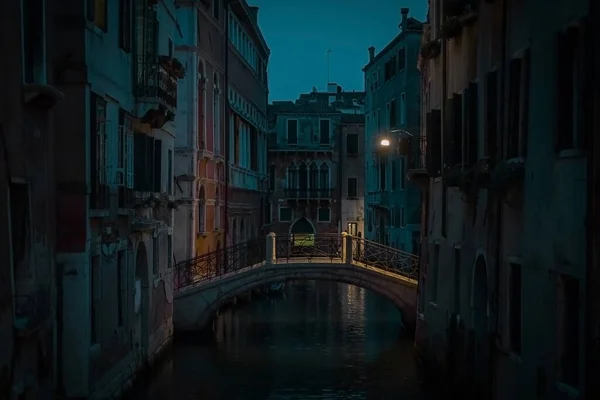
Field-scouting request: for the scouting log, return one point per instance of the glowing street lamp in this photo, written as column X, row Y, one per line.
column 384, row 143
column 397, row 136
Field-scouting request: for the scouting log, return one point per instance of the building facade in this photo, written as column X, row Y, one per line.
column 508, row 112
column 352, row 170
column 305, row 179
column 27, row 188
column 200, row 155
column 114, row 179
column 392, row 84
column 246, row 123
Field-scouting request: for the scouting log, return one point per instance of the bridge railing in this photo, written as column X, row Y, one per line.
column 216, row 263
column 383, row 257
column 307, row 247
column 286, row 248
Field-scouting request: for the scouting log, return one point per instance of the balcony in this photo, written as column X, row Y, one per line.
column 244, row 178
column 156, row 84
column 380, row 198
column 308, row 194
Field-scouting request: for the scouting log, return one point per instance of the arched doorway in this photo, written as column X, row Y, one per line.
column 141, row 297
column 481, row 344
column 303, row 232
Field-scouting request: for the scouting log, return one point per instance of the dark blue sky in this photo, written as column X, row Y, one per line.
column 299, row 32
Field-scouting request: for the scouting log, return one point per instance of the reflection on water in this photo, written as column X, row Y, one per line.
column 320, row 340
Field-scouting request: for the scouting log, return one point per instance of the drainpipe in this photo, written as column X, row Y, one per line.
column 496, row 339
column 592, row 332
column 227, row 110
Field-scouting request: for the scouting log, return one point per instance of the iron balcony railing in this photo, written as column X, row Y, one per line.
column 379, row 198
column 417, row 153
column 308, row 246
column 155, row 83
column 216, row 263
column 308, row 194
column 383, row 257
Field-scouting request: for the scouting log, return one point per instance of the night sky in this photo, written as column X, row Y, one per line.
column 299, row 33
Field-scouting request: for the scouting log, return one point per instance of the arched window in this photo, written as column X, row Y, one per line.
column 313, row 179
column 292, row 178
column 303, row 179
column 324, row 184
column 201, row 210
column 234, row 231
column 216, row 113
column 218, row 208
column 242, row 232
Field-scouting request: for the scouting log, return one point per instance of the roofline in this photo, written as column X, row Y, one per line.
column 257, row 29
column 392, row 44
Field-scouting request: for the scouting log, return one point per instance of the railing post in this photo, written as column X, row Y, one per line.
column 271, row 256
column 347, row 248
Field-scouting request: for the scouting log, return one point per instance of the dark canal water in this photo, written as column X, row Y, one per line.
column 319, row 340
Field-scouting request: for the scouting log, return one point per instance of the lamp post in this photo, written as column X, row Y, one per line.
column 394, row 136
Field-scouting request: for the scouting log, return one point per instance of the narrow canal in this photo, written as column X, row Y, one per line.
column 318, row 340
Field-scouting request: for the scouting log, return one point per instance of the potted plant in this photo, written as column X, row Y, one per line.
column 451, row 28
column 177, row 68
column 431, row 50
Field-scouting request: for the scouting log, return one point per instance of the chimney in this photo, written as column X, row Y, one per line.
column 371, row 53
column 254, row 11
column 404, row 22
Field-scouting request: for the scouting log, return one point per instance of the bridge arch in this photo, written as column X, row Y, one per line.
column 195, row 306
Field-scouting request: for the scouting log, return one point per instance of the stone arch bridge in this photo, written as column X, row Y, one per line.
column 205, row 283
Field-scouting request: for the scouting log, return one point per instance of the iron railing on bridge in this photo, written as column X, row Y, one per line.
column 286, row 248
column 383, row 257
column 216, row 263
column 308, row 246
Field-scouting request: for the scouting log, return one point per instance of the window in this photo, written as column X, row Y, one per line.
column 352, row 146
column 389, row 69
column 272, row 171
column 402, row 173
column 403, row 109
column 324, row 214
column 324, row 129
column 491, row 122
column 457, row 261
column 124, row 172
column 121, row 279
column 98, row 147
column 95, row 300
column 435, row 259
column 170, row 47
column 157, row 166
column 170, row 251
column 401, row 59
column 34, row 44
column 352, row 187
column 267, row 212
column 573, row 95
column 324, row 172
column 97, row 13
column 156, row 255
column 392, row 114
column 394, row 174
column 170, row 172
column 471, row 131
column 285, row 214
column 20, row 224
column 382, row 173
column 292, row 132
column 514, row 307
column 292, row 177
column 516, row 145
column 125, row 25
column 402, row 216
column 201, row 211
column 377, row 121
column 569, row 330
column 216, row 111
column 216, row 8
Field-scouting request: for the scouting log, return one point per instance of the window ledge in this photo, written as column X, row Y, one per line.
column 571, row 153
